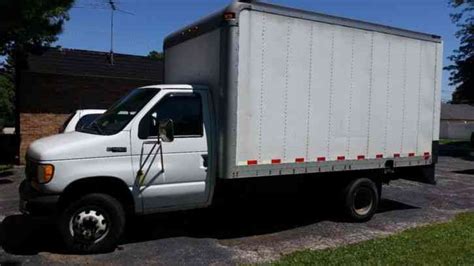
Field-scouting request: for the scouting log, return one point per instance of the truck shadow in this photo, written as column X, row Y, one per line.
column 242, row 220
column 248, row 216
column 22, row 235
column 465, row 172
column 462, row 150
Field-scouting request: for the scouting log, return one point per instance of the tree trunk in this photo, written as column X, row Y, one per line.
column 19, row 59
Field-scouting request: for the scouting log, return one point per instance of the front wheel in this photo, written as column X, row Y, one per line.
column 92, row 224
column 361, row 199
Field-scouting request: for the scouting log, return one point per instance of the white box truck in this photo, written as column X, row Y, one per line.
column 269, row 91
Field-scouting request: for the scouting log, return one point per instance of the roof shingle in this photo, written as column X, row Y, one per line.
column 92, row 63
column 457, row 112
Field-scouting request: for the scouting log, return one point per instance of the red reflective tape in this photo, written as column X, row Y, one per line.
column 276, row 161
column 341, row 158
column 360, row 157
column 396, row 155
column 321, row 159
column 411, row 154
column 252, row 162
column 379, row 156
column 299, row 160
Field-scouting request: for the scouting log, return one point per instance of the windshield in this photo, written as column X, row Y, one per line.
column 121, row 113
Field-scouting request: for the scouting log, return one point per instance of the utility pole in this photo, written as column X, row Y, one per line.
column 113, row 8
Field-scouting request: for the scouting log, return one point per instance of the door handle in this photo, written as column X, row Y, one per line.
column 116, row 149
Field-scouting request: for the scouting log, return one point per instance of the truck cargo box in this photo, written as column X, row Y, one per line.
column 301, row 92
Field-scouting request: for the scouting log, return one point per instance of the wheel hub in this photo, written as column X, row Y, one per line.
column 88, row 225
column 363, row 201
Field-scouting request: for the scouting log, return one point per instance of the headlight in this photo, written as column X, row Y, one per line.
column 45, row 173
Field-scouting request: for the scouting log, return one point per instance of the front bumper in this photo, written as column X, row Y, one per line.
column 35, row 203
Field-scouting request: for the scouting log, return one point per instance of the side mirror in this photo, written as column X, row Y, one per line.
column 166, row 130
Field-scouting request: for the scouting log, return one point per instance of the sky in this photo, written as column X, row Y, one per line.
column 145, row 23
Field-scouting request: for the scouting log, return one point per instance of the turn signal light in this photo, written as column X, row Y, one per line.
column 45, row 173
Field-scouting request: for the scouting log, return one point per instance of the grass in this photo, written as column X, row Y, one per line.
column 452, row 141
column 450, row 243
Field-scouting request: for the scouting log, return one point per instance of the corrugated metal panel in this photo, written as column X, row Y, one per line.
column 319, row 90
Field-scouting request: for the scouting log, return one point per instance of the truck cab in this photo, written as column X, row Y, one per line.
column 121, row 156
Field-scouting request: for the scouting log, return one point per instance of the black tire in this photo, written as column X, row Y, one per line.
column 361, row 199
column 92, row 224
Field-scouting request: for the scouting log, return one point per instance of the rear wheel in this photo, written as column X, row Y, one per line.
column 361, row 199
column 92, row 224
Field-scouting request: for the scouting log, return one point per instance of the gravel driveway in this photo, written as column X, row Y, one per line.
column 241, row 233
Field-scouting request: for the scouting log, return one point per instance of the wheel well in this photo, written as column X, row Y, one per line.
column 107, row 185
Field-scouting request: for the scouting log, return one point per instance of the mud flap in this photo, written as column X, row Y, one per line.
column 427, row 175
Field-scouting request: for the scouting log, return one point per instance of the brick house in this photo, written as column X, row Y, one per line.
column 63, row 80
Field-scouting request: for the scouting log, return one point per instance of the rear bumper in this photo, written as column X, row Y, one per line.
column 34, row 203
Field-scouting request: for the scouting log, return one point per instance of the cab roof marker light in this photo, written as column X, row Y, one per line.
column 229, row 16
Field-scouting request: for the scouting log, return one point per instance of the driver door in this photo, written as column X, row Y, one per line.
column 177, row 178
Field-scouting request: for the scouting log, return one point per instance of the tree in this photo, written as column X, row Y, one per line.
column 462, row 69
column 156, row 55
column 7, row 94
column 26, row 26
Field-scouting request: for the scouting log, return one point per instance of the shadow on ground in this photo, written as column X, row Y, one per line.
column 465, row 172
column 462, row 150
column 5, row 177
column 6, row 173
column 251, row 213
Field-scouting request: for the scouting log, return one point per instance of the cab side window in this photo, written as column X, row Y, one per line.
column 184, row 110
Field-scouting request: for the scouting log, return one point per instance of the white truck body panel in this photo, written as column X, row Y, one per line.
column 322, row 90
column 187, row 61
column 305, row 92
